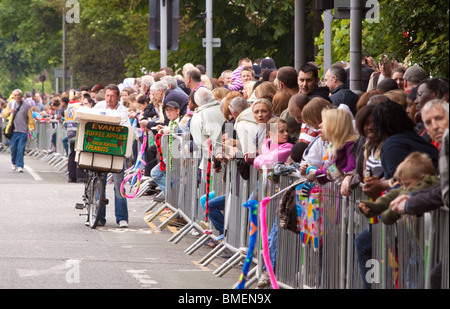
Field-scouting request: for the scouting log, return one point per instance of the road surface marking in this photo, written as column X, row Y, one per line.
column 144, row 280
column 32, row 173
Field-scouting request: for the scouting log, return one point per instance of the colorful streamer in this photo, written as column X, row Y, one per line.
column 208, row 179
column 137, row 174
column 265, row 243
column 162, row 164
column 252, row 206
column 32, row 135
column 172, row 123
column 310, row 215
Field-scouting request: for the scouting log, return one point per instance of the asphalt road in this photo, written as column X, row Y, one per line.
column 44, row 243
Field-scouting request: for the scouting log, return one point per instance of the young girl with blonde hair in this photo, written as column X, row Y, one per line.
column 337, row 128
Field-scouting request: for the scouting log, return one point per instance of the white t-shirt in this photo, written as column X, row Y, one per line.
column 122, row 110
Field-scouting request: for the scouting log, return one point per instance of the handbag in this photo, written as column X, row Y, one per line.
column 9, row 129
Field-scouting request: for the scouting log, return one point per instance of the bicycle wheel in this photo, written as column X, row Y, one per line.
column 97, row 202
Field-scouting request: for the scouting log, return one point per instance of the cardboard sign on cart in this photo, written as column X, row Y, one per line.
column 102, row 144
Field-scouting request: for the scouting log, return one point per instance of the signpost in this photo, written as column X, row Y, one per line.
column 216, row 42
column 58, row 72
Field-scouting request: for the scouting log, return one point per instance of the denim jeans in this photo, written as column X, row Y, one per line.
column 363, row 247
column 18, row 144
column 273, row 240
column 120, row 202
column 65, row 143
column 215, row 214
column 159, row 177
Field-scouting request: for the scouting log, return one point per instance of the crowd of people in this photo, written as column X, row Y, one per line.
column 391, row 137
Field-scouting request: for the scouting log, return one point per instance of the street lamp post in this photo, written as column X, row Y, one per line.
column 63, row 88
column 209, row 38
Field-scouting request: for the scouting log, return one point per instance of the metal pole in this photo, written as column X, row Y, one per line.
column 350, row 242
column 63, row 88
column 209, row 38
column 343, row 236
column 299, row 36
column 163, row 33
column 327, row 19
column 355, row 44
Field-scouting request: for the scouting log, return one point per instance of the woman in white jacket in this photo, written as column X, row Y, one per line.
column 206, row 122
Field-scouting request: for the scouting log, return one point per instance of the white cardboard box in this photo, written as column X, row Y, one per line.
column 99, row 145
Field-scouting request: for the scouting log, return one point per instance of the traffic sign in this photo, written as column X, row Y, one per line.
column 59, row 73
column 215, row 41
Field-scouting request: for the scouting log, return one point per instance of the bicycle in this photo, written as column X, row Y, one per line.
column 94, row 199
column 101, row 146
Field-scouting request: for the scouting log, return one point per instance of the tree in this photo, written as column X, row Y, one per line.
column 30, row 42
column 415, row 32
column 254, row 29
column 98, row 45
column 418, row 32
column 110, row 42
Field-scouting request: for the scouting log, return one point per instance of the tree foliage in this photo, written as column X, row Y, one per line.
column 413, row 31
column 99, row 43
column 110, row 42
column 253, row 29
column 418, row 32
column 29, row 39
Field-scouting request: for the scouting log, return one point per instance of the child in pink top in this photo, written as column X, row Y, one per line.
column 277, row 147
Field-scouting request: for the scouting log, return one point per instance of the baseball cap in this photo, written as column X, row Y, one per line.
column 415, row 74
column 268, row 64
column 172, row 104
column 257, row 70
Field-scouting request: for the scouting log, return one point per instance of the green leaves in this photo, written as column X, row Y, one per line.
column 416, row 32
column 111, row 41
column 30, row 39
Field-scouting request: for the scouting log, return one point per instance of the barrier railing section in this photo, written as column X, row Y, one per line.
column 444, row 245
column 173, row 171
column 289, row 252
column 356, row 224
column 237, row 193
column 39, row 144
column 2, row 126
column 298, row 263
column 49, row 137
column 186, row 184
column 400, row 250
column 439, row 246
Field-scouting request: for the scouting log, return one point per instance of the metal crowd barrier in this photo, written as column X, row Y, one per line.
column 183, row 192
column 2, row 125
column 4, row 143
column 403, row 251
column 439, row 245
column 49, row 142
column 39, row 144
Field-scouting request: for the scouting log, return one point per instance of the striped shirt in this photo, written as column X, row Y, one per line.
column 237, row 84
column 307, row 134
